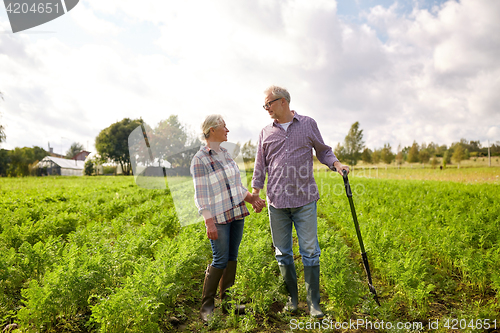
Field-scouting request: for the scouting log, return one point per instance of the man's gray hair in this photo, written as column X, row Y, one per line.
column 278, row 92
column 211, row 121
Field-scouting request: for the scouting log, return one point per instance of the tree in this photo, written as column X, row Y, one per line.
column 458, row 154
column 432, row 148
column 434, row 162
column 413, row 153
column 354, row 144
column 424, row 156
column 440, row 150
column 112, row 142
column 248, row 151
column 2, row 129
column 340, row 152
column 74, row 149
column 447, row 157
column 376, row 156
column 21, row 159
column 173, row 143
column 386, row 154
column 88, row 168
column 18, row 163
column 366, row 155
column 399, row 156
column 4, row 162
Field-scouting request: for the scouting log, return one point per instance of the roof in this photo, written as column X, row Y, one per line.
column 83, row 154
column 65, row 163
column 55, row 154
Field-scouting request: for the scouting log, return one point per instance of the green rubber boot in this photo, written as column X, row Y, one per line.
column 311, row 277
column 290, row 278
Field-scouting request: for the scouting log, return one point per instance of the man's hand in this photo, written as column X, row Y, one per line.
column 257, row 203
column 253, row 198
column 341, row 167
column 211, row 229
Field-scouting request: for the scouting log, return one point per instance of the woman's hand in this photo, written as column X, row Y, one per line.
column 258, row 204
column 211, row 229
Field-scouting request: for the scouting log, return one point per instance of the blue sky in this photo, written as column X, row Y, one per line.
column 406, row 70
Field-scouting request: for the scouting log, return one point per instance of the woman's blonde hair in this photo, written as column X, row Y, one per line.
column 211, row 121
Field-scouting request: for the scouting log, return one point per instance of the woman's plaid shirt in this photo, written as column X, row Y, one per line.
column 218, row 186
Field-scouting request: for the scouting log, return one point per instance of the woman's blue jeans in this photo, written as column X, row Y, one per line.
column 225, row 247
column 305, row 221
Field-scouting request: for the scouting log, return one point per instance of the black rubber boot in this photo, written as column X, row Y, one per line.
column 212, row 278
column 290, row 278
column 311, row 277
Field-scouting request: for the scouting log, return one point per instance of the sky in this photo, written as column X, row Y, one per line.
column 407, row 70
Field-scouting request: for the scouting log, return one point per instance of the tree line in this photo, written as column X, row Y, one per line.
column 172, row 142
column 353, row 150
column 168, row 141
column 20, row 162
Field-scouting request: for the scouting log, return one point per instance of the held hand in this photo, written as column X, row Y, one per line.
column 256, row 208
column 258, row 204
column 211, row 229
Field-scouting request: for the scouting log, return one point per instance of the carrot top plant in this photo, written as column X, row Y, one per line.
column 100, row 254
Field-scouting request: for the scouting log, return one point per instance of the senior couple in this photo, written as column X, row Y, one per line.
column 284, row 152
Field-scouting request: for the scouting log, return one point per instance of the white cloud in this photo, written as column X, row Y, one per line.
column 433, row 77
column 86, row 19
column 493, row 133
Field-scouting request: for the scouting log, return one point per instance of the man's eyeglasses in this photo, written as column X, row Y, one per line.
column 268, row 105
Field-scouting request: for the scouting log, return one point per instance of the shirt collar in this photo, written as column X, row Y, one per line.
column 295, row 116
column 210, row 151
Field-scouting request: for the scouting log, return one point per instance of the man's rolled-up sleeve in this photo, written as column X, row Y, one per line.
column 259, row 171
column 324, row 152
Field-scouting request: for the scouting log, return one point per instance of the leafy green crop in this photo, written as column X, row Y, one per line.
column 427, row 240
column 100, row 254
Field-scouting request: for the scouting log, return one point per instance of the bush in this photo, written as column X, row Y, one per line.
column 109, row 170
column 89, row 167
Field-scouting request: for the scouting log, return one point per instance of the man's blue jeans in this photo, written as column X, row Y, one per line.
column 225, row 247
column 306, row 224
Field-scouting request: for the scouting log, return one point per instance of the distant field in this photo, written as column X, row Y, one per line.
column 469, row 171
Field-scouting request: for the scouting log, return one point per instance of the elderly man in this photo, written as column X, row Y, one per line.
column 284, row 151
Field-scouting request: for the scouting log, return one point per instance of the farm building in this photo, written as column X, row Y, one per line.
column 60, row 166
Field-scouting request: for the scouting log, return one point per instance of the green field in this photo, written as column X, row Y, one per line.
column 99, row 254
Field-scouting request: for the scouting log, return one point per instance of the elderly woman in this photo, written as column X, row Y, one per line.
column 219, row 197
